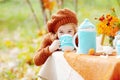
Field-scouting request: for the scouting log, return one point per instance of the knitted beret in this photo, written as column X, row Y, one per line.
column 63, row 16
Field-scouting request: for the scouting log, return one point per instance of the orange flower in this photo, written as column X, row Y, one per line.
column 108, row 25
column 49, row 4
column 91, row 51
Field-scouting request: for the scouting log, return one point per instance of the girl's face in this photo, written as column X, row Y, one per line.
column 66, row 29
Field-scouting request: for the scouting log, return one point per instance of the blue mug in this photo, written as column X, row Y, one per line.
column 66, row 42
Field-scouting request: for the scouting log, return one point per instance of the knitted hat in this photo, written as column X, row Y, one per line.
column 63, row 16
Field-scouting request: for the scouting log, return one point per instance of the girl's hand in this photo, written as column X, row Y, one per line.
column 54, row 46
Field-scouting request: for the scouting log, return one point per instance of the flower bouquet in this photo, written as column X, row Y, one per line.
column 108, row 25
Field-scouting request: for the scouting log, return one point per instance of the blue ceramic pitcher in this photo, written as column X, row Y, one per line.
column 86, row 37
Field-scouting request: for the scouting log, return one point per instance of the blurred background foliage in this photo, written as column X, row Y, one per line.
column 20, row 34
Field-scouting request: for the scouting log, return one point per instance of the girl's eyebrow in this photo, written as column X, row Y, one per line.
column 70, row 29
column 60, row 30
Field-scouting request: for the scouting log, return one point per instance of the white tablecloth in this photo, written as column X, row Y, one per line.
column 57, row 68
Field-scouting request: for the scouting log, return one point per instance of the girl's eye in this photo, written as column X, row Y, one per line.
column 61, row 32
column 69, row 31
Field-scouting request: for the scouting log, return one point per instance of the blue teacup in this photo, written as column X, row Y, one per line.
column 66, row 42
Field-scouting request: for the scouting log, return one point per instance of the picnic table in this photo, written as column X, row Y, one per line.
column 72, row 66
column 94, row 67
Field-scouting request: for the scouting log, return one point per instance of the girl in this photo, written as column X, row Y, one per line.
column 63, row 22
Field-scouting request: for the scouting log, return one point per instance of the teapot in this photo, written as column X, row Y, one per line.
column 86, row 37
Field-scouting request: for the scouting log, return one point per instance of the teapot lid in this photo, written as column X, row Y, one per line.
column 86, row 24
